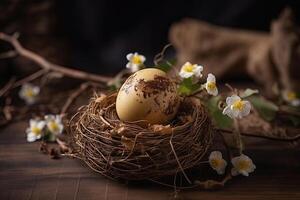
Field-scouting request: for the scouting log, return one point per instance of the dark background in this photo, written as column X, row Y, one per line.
column 96, row 35
column 103, row 32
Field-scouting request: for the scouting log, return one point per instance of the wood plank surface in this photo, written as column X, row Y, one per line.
column 26, row 174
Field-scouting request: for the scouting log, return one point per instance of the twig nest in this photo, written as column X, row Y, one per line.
column 148, row 95
column 139, row 150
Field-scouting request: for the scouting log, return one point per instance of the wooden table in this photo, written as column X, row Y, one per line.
column 25, row 173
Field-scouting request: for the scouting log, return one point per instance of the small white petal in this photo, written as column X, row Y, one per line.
column 33, row 122
column 143, row 58
column 215, row 92
column 211, row 78
column 134, row 68
column 227, row 111
column 41, row 124
column 247, row 108
column 184, row 74
column 129, row 65
column 31, row 137
column 49, row 117
column 232, row 99
column 129, row 56
column 295, row 102
column 36, row 90
column 215, row 154
column 58, row 118
column 197, row 71
column 244, row 173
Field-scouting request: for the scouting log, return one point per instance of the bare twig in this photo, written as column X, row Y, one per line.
column 160, row 56
column 31, row 77
column 73, row 96
column 45, row 64
column 8, row 54
column 7, row 86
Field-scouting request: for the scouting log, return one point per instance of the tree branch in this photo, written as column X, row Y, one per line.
column 45, row 64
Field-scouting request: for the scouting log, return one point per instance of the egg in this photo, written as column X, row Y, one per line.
column 148, row 95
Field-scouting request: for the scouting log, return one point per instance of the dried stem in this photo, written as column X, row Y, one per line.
column 7, row 86
column 238, row 135
column 160, row 56
column 73, row 96
column 31, row 77
column 45, row 64
column 8, row 54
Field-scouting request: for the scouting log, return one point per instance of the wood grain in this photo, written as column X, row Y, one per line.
column 27, row 174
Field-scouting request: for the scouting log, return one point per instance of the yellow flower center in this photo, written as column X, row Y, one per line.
column 29, row 93
column 211, row 85
column 136, row 59
column 243, row 165
column 188, row 68
column 291, row 96
column 238, row 105
column 215, row 163
column 36, row 130
column 53, row 126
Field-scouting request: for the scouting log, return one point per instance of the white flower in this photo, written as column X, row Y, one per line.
column 210, row 85
column 54, row 124
column 191, row 70
column 291, row 97
column 136, row 61
column 29, row 93
column 35, row 130
column 236, row 108
column 242, row 165
column 217, row 162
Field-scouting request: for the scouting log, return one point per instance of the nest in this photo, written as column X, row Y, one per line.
column 137, row 150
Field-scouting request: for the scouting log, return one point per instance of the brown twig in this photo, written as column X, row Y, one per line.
column 8, row 54
column 7, row 86
column 45, row 64
column 31, row 77
column 160, row 56
column 73, row 96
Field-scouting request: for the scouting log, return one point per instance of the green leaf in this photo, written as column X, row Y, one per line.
column 166, row 65
column 266, row 109
column 248, row 92
column 187, row 87
column 112, row 88
column 220, row 120
column 50, row 137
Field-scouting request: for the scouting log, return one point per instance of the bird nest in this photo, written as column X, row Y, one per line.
column 137, row 150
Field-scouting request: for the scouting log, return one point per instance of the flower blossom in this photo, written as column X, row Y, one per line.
column 54, row 124
column 189, row 70
column 29, row 93
column 236, row 107
column 35, row 130
column 210, row 85
column 291, row 98
column 136, row 61
column 217, row 162
column 242, row 165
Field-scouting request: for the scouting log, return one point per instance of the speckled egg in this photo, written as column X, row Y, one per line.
column 148, row 95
